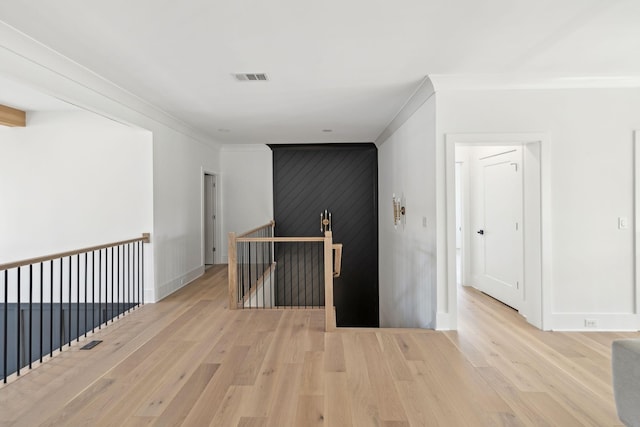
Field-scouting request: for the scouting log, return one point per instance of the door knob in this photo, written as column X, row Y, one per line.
column 480, row 231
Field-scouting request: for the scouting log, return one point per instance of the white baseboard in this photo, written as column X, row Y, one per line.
column 443, row 322
column 179, row 282
column 604, row 322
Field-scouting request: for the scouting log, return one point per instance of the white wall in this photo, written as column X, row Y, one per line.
column 179, row 152
column 178, row 192
column 406, row 167
column 70, row 180
column 247, row 189
column 591, row 170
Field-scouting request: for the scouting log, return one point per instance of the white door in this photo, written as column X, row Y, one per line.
column 209, row 218
column 501, row 234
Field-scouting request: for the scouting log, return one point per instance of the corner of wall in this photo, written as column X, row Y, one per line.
column 423, row 92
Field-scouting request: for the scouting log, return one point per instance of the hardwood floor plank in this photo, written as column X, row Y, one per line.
column 175, row 411
column 208, row 403
column 334, row 353
column 313, row 373
column 395, row 358
column 337, row 400
column 310, row 411
column 252, row 422
column 382, row 384
column 188, row 360
column 285, row 402
column 228, row 413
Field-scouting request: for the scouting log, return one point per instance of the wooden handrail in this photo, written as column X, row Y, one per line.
column 144, row 239
column 280, row 239
column 271, row 223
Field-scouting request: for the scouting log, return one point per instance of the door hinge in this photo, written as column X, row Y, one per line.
column 214, row 249
column 517, row 285
column 516, row 226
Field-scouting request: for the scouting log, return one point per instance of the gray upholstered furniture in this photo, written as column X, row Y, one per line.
column 625, row 360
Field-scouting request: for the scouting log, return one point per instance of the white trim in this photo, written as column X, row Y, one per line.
column 527, row 82
column 443, row 322
column 244, row 147
column 636, row 224
column 179, row 282
column 606, row 321
column 423, row 92
column 30, row 62
column 538, row 281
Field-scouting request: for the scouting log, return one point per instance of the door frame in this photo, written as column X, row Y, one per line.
column 537, row 225
column 636, row 224
column 216, row 222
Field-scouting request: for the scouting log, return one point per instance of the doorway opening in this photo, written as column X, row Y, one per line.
column 209, row 219
column 494, row 221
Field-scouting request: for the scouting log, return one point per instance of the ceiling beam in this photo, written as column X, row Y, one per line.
column 12, row 117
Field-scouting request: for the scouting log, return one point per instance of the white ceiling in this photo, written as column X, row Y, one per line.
column 345, row 65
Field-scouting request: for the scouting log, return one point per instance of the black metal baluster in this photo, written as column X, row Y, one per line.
column 142, row 246
column 93, row 292
column 61, row 299
column 118, row 281
column 304, row 245
column 130, row 270
column 30, row 313
column 6, row 324
column 264, row 304
column 100, row 288
column 18, row 323
column 86, row 262
column 41, row 306
column 78, row 298
column 69, row 303
column 139, row 281
column 125, row 278
column 131, row 289
column 51, row 309
column 112, row 279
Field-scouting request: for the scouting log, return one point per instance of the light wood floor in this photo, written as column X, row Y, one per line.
column 188, row 360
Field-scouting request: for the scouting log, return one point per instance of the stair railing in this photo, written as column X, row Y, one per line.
column 47, row 303
column 268, row 272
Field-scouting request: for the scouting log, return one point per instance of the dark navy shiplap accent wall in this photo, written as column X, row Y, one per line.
column 343, row 178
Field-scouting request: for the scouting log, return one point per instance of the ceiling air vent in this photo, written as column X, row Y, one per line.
column 253, row 77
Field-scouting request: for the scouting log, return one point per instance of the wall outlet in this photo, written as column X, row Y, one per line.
column 623, row 223
column 590, row 323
